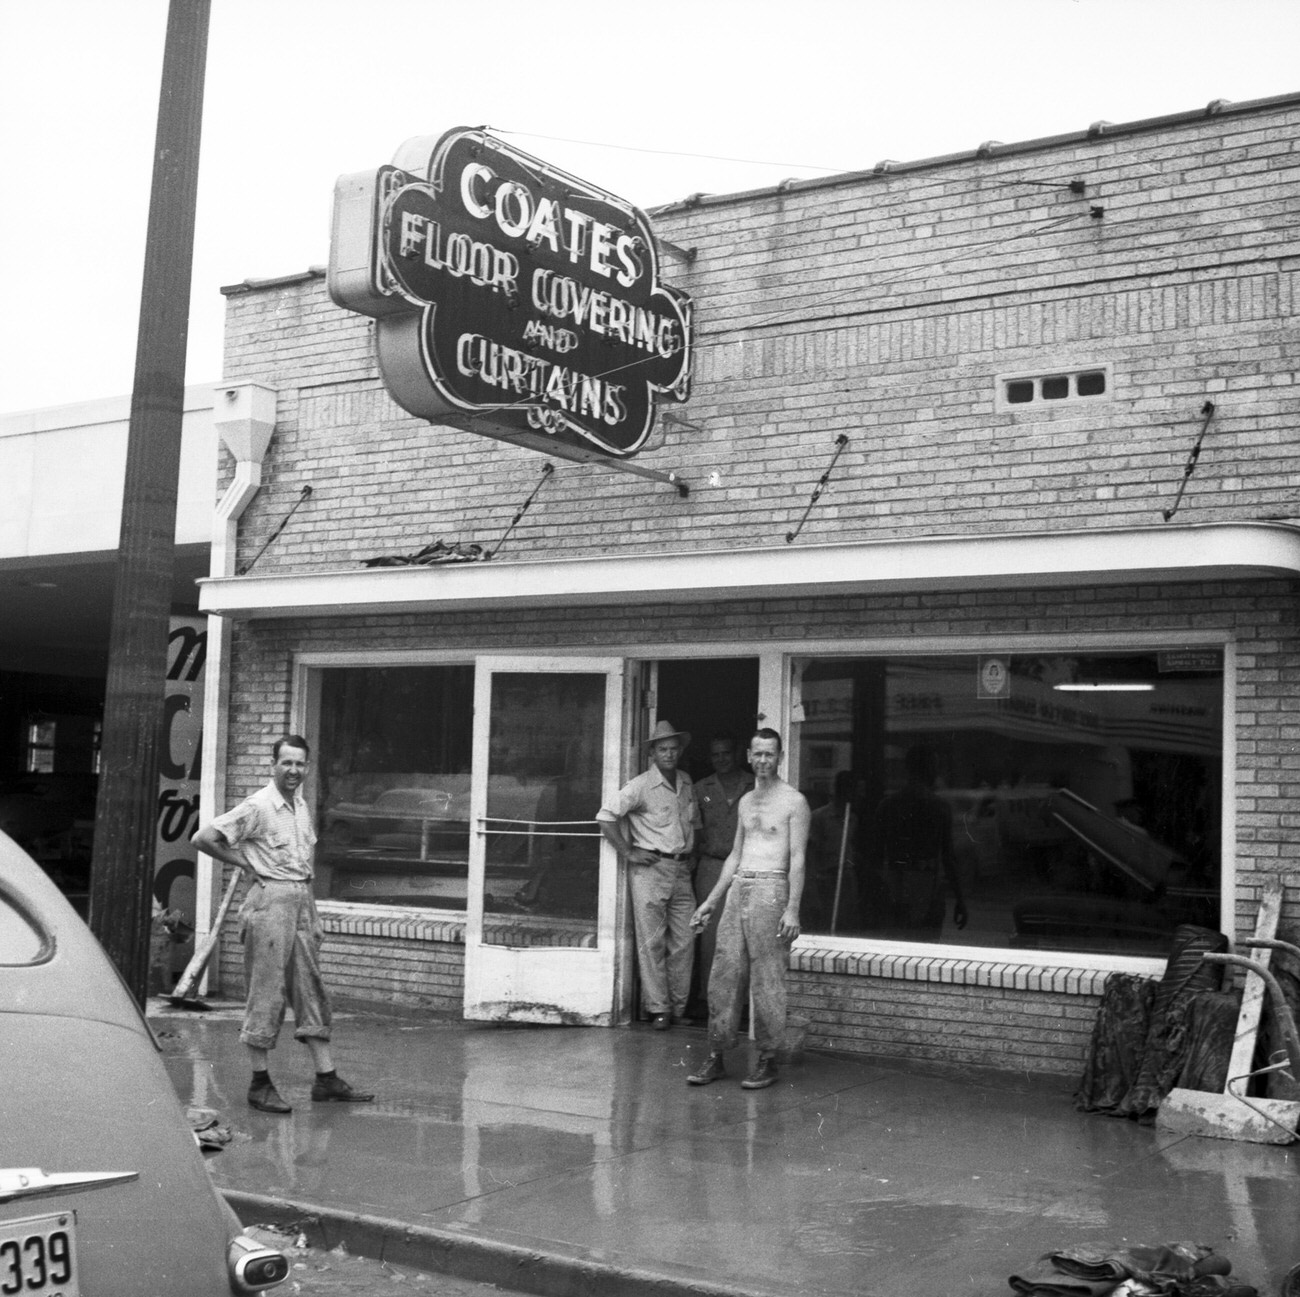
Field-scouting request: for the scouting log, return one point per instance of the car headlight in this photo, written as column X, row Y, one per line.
column 254, row 1267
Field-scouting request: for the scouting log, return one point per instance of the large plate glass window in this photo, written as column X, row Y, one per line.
column 393, row 773
column 1072, row 799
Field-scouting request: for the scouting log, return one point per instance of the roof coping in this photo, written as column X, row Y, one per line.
column 254, row 285
column 991, row 149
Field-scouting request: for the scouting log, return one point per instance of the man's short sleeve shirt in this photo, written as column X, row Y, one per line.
column 719, row 814
column 275, row 835
column 659, row 817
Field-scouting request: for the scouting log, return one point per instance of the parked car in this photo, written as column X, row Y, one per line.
column 103, row 1189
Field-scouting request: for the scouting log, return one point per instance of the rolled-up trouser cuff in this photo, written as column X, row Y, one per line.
column 281, row 934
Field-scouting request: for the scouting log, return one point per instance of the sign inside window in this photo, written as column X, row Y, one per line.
column 511, row 299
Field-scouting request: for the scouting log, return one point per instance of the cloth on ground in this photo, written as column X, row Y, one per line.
column 210, row 1132
column 1104, row 1270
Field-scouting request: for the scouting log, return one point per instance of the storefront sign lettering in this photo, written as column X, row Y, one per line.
column 179, row 761
column 510, row 297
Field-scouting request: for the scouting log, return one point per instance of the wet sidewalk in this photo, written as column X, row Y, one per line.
column 571, row 1161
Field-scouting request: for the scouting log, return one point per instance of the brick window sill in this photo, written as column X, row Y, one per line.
column 1038, row 973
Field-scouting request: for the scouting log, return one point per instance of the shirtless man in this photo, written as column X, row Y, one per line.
column 760, row 920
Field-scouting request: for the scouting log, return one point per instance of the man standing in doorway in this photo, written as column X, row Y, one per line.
column 718, row 797
column 270, row 837
column 651, row 823
column 761, row 918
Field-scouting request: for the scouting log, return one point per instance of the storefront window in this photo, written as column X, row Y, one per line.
column 394, row 778
column 394, row 766
column 1072, row 801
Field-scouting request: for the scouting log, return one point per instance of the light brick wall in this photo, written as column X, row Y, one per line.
column 881, row 307
column 990, row 1027
column 997, row 1026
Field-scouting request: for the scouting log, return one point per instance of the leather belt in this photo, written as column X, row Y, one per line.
column 668, row 855
column 761, row 873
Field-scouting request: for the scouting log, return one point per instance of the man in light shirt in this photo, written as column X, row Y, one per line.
column 651, row 823
column 269, row 836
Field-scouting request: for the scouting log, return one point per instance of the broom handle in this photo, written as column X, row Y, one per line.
column 839, row 876
column 203, row 951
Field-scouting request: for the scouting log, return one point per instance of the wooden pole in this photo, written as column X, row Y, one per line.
column 125, row 816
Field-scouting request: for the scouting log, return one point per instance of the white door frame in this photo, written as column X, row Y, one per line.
column 569, row 984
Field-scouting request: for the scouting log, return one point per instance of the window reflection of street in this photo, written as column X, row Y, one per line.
column 1084, row 792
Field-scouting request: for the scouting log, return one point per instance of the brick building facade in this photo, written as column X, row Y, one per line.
column 1022, row 345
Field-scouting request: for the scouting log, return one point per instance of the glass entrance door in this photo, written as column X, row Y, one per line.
column 540, row 931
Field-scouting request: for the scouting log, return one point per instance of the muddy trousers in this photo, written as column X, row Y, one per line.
column 282, row 937
column 662, row 905
column 750, row 954
column 707, row 873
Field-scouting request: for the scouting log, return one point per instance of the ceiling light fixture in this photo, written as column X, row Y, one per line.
column 1106, row 686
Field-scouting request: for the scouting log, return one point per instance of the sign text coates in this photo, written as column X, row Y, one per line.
column 538, row 292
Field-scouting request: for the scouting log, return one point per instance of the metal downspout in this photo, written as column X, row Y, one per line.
column 244, row 416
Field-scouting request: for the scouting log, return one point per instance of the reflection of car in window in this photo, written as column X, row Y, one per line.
column 398, row 813
column 410, row 844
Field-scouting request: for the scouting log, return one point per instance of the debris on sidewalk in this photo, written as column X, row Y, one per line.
column 1152, row 1036
column 315, row 1272
column 1104, row 1270
column 211, row 1133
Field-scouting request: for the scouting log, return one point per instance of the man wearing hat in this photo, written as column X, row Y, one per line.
column 651, row 823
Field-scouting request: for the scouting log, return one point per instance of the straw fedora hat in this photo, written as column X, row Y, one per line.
column 664, row 730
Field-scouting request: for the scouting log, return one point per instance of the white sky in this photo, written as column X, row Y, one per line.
column 300, row 91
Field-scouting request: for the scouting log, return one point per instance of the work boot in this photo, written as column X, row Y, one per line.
column 661, row 1021
column 763, row 1075
column 713, row 1070
column 263, row 1096
column 328, row 1087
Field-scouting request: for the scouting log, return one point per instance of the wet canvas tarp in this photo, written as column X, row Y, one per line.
column 1151, row 1036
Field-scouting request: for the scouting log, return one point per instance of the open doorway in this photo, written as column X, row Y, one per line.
column 708, row 697
column 713, row 698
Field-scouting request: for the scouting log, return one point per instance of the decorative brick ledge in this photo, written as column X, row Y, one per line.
column 998, row 973
column 355, row 921
column 403, row 925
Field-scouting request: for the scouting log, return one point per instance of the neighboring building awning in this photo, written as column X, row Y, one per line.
column 1121, row 556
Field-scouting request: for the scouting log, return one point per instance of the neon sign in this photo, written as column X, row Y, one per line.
column 511, row 298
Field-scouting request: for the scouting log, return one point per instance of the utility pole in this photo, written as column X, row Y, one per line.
column 121, row 881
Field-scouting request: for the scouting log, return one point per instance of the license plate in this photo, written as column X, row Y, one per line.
column 38, row 1256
